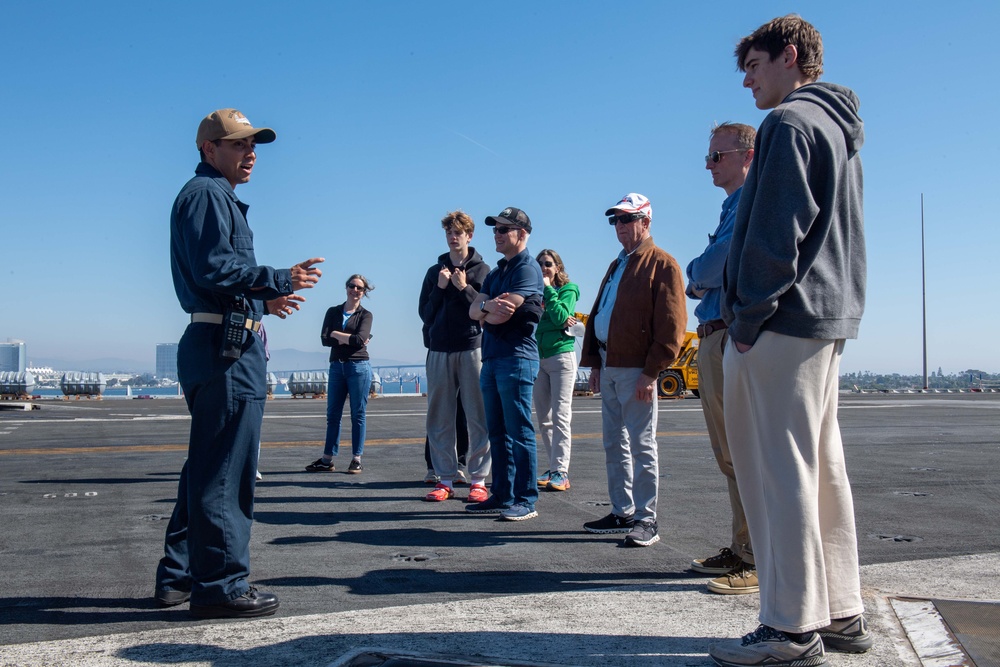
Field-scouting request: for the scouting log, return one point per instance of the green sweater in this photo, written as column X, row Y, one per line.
column 559, row 304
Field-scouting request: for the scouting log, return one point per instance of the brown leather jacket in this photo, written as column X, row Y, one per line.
column 649, row 317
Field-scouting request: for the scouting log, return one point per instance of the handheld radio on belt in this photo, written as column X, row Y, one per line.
column 234, row 322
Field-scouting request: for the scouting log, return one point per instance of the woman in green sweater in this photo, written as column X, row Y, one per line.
column 553, row 393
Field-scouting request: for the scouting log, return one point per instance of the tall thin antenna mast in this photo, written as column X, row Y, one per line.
column 923, row 285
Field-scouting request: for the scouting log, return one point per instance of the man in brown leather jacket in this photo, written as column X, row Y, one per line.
column 635, row 330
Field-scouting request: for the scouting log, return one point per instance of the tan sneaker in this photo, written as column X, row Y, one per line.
column 740, row 580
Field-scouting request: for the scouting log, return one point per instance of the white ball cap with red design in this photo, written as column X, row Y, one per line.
column 633, row 202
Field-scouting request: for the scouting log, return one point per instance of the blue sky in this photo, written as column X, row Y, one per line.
column 390, row 114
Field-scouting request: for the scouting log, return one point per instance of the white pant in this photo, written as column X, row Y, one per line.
column 554, row 407
column 781, row 397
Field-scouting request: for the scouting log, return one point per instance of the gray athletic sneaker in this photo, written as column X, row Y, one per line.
column 519, row 512
column 768, row 647
column 848, row 635
column 643, row 534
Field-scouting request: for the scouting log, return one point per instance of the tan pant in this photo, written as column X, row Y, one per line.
column 710, row 386
column 781, row 397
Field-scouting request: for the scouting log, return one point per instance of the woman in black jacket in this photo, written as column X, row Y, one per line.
column 347, row 330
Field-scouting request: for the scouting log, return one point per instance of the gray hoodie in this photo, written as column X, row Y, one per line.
column 797, row 262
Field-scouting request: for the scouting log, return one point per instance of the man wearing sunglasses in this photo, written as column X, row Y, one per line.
column 509, row 307
column 794, row 292
column 635, row 330
column 730, row 151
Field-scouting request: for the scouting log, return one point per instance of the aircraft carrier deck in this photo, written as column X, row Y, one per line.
column 369, row 574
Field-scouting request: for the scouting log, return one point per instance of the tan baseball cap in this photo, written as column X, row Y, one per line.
column 231, row 124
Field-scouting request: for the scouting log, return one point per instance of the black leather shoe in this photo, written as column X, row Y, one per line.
column 169, row 598
column 251, row 604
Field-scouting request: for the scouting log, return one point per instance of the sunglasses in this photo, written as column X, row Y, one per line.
column 625, row 219
column 359, row 288
column 716, row 156
column 548, row 263
column 504, row 230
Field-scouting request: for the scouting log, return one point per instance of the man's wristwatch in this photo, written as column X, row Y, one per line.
column 482, row 308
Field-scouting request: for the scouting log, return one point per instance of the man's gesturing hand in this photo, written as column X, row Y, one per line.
column 284, row 306
column 305, row 275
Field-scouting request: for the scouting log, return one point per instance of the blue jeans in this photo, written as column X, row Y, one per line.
column 507, row 384
column 207, row 545
column 347, row 378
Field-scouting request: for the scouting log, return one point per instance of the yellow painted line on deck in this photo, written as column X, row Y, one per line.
column 172, row 447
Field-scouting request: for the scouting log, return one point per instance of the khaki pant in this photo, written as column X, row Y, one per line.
column 710, row 387
column 781, row 397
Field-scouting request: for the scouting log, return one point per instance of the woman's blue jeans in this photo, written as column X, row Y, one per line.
column 353, row 379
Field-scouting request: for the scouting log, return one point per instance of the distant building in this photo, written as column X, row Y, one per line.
column 13, row 356
column 166, row 361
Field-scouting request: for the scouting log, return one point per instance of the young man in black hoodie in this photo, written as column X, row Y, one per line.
column 794, row 291
column 454, row 360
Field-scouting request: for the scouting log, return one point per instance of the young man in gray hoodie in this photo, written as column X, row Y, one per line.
column 794, row 291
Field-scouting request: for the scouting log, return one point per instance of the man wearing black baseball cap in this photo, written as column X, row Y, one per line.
column 221, row 365
column 509, row 307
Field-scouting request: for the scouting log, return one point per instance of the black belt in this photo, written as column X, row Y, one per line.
column 708, row 328
column 601, row 344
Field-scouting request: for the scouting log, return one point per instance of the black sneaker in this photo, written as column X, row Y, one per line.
column 355, row 467
column 643, row 534
column 612, row 523
column 319, row 466
column 721, row 563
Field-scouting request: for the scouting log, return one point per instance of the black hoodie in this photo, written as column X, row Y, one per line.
column 445, row 312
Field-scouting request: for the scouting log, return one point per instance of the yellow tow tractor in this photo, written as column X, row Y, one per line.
column 682, row 375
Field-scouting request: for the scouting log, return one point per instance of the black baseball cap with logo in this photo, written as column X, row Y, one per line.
column 513, row 217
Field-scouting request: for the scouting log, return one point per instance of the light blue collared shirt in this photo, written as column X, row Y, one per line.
column 602, row 321
column 705, row 271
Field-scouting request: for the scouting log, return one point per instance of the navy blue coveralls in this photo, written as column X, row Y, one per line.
column 207, row 546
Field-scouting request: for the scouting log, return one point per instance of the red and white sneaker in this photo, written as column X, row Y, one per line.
column 478, row 493
column 440, row 492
